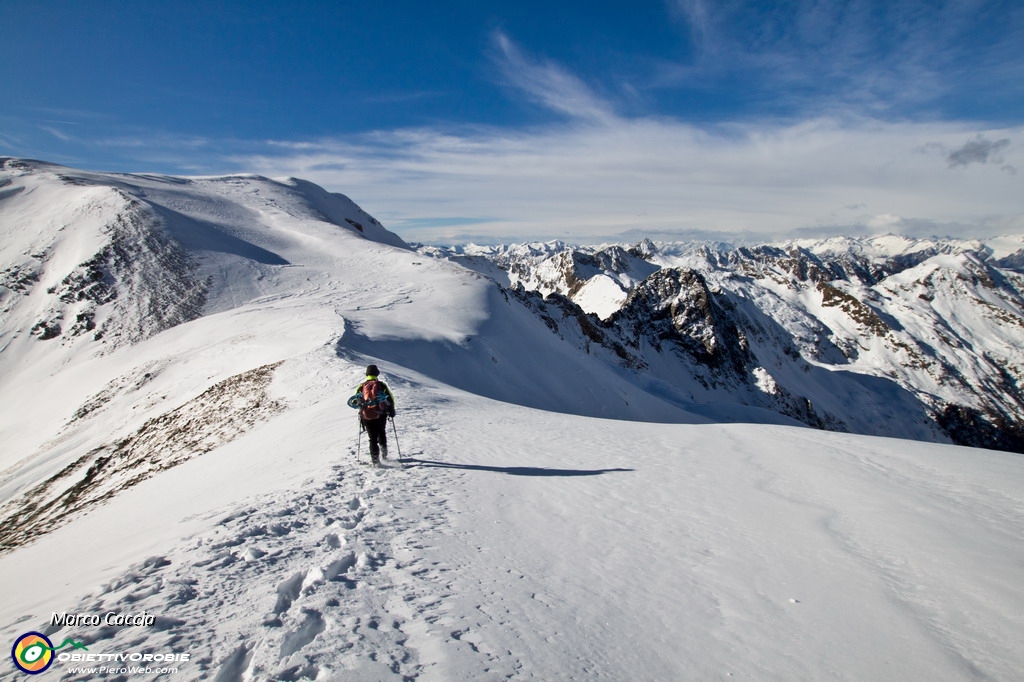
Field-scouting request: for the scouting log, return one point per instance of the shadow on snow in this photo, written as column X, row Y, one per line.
column 511, row 471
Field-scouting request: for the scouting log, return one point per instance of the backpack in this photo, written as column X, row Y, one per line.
column 375, row 400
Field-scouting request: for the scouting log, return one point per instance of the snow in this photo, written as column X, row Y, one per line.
column 1006, row 245
column 536, row 529
column 548, row 546
column 764, row 381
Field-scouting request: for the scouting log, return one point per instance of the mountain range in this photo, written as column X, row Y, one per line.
column 884, row 335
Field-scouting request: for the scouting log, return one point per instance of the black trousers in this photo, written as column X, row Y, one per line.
column 377, row 430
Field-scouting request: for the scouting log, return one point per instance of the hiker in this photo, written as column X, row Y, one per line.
column 376, row 406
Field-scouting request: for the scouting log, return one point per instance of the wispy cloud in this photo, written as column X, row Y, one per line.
column 548, row 84
column 399, row 97
column 871, row 57
column 696, row 15
column 56, row 132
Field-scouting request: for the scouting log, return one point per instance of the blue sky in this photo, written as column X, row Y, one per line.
column 472, row 121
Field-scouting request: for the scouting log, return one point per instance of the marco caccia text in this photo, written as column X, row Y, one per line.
column 117, row 619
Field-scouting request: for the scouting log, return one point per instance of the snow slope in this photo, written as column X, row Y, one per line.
column 529, row 545
column 226, row 501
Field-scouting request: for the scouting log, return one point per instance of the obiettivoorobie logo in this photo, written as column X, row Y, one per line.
column 33, row 652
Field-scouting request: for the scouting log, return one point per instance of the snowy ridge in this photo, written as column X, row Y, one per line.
column 570, row 505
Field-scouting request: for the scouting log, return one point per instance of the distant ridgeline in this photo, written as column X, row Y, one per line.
column 885, row 335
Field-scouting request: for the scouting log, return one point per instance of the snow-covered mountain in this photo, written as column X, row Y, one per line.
column 612, row 482
column 886, row 335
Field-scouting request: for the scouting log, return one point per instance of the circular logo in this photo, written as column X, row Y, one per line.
column 32, row 653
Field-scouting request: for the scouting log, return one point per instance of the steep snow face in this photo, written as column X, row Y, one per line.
column 842, row 329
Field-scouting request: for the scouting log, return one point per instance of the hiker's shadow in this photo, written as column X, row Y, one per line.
column 511, row 471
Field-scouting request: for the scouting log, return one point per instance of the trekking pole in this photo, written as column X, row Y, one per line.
column 359, row 440
column 397, row 446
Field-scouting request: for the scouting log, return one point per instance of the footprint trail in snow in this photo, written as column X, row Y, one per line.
column 336, row 579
